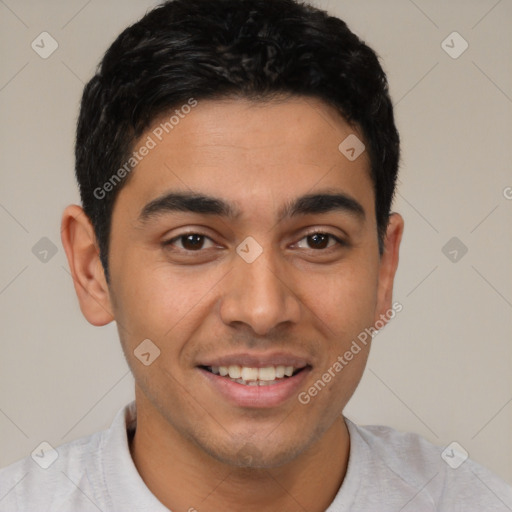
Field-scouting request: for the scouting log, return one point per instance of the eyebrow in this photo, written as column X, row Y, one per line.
column 193, row 202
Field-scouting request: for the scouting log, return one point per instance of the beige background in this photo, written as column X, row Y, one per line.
column 442, row 368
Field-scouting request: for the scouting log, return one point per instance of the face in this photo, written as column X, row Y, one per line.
column 268, row 278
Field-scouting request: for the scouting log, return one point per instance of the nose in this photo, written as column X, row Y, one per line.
column 258, row 295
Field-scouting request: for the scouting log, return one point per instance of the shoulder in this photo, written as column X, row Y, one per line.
column 48, row 478
column 73, row 476
column 445, row 477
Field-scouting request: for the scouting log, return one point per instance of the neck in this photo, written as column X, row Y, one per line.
column 183, row 477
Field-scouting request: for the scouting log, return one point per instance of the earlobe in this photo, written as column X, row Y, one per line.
column 79, row 241
column 388, row 265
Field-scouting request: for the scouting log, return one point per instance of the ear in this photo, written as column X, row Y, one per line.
column 79, row 241
column 388, row 265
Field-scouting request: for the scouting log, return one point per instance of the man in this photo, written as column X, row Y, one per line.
column 237, row 162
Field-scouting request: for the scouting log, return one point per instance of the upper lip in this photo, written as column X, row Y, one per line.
column 257, row 360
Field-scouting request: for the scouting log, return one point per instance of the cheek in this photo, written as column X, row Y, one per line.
column 153, row 302
column 344, row 299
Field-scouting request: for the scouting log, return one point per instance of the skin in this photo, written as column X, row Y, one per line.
column 192, row 447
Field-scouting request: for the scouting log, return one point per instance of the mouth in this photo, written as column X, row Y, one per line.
column 252, row 376
column 251, row 381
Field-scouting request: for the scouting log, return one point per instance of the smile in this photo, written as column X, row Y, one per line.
column 264, row 386
column 250, row 376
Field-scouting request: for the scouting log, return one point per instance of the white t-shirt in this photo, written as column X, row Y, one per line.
column 388, row 471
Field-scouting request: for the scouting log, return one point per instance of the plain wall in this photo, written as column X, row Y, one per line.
column 441, row 368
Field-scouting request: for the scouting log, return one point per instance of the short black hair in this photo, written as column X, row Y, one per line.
column 216, row 49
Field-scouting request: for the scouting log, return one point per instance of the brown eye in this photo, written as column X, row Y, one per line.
column 189, row 241
column 192, row 241
column 319, row 241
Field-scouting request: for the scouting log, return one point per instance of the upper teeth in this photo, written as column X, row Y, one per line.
column 246, row 373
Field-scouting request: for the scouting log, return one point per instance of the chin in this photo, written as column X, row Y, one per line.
column 258, row 454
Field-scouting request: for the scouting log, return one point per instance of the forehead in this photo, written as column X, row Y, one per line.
column 243, row 150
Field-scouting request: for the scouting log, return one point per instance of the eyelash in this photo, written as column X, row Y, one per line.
column 339, row 241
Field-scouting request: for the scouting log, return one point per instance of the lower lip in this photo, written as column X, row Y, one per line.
column 242, row 395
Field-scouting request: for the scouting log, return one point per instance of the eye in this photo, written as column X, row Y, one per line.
column 320, row 240
column 189, row 241
column 195, row 242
